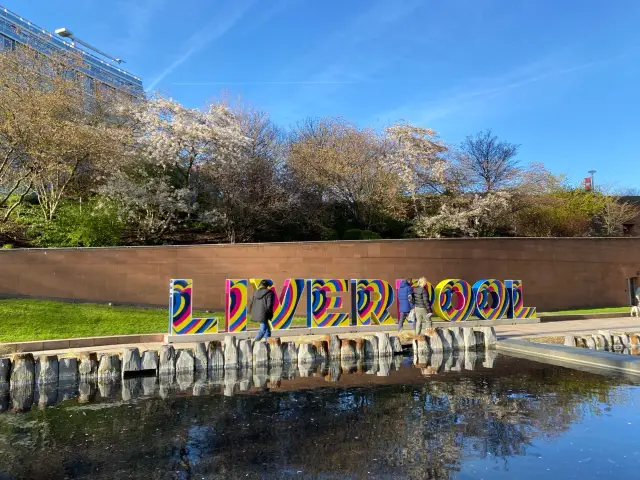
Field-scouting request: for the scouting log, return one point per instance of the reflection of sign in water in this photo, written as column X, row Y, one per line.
column 453, row 300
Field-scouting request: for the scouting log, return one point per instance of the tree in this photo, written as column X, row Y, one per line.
column 415, row 154
column 489, row 163
column 347, row 165
column 52, row 128
column 245, row 196
column 468, row 216
column 181, row 139
column 614, row 213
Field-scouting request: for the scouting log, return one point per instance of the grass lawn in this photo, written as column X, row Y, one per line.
column 27, row 319
column 590, row 310
column 22, row 320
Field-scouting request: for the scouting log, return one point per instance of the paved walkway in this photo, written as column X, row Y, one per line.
column 567, row 327
column 547, row 329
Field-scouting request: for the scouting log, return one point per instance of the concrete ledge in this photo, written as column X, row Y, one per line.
column 568, row 356
column 582, row 316
column 64, row 344
column 300, row 331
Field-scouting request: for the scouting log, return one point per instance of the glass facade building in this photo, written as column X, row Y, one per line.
column 15, row 30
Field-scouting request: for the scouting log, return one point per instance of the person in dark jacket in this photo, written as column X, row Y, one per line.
column 404, row 303
column 262, row 309
column 422, row 306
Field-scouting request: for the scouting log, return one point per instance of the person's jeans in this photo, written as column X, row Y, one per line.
column 265, row 331
column 423, row 320
column 401, row 319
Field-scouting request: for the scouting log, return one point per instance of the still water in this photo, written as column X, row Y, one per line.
column 519, row 419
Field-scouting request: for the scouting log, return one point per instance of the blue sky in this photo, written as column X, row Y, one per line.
column 561, row 78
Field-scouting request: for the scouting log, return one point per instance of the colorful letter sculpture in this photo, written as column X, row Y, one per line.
column 491, row 300
column 286, row 303
column 180, row 306
column 320, row 302
column 371, row 300
column 516, row 302
column 453, row 300
column 236, row 308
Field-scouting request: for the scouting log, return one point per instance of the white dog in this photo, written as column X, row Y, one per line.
column 635, row 311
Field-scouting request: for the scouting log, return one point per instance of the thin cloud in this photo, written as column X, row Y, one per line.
column 293, row 82
column 461, row 100
column 200, row 39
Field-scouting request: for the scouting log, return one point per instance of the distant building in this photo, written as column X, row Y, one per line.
column 15, row 30
column 632, row 227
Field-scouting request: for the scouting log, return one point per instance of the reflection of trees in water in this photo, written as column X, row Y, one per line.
column 415, row 431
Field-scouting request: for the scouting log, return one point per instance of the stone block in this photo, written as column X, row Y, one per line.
column 348, row 365
column 370, row 347
column 88, row 365
column 185, row 361
column 276, row 357
column 457, row 338
column 570, row 341
column 47, row 369
column 384, row 366
column 435, row 341
column 449, row 360
column 470, row 341
column 421, row 350
column 446, row 338
column 347, row 350
column 590, row 343
column 230, row 352
column 333, row 371
column 149, row 361
column 200, row 384
column 470, row 359
column 260, row 354
column 185, row 379
column 131, row 361
column 490, row 337
column 215, row 352
column 5, row 370
column 22, row 397
column 87, row 389
column 479, row 334
column 305, row 369
column 359, row 346
column 436, row 361
column 131, row 388
column 290, row 353
column 396, row 345
column 607, row 335
column 150, row 386
column 68, row 369
column 47, row 394
column 108, row 387
column 23, row 371
column 260, row 371
column 321, row 348
column 384, row 345
column 109, row 367
column 201, row 358
column 624, row 339
column 167, row 364
column 334, row 347
column 306, row 354
column 245, row 353
column 490, row 359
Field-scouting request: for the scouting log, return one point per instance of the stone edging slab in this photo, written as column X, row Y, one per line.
column 581, row 316
column 63, row 344
column 572, row 355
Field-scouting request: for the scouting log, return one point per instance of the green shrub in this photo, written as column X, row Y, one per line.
column 7, row 246
column 357, row 234
column 94, row 223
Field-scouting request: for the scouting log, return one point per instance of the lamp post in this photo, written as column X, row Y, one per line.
column 66, row 33
column 593, row 185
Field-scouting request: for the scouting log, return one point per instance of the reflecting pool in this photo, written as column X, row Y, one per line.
column 519, row 419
